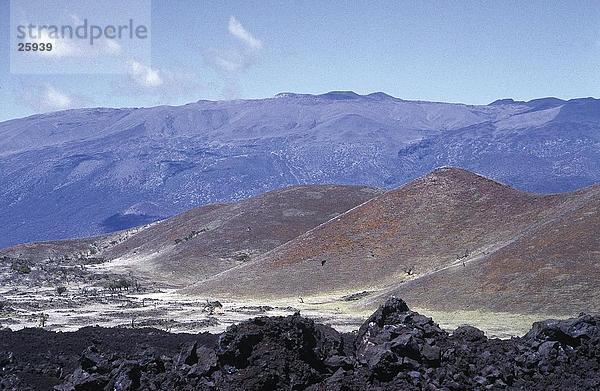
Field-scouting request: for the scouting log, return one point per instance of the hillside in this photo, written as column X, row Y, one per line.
column 521, row 251
column 550, row 268
column 79, row 173
column 206, row 240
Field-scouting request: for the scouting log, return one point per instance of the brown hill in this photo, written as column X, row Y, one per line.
column 207, row 240
column 204, row 241
column 449, row 240
column 553, row 268
column 410, row 241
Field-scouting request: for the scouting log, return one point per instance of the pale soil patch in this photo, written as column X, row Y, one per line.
column 169, row 310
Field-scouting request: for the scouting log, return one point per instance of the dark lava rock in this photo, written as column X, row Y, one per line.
column 395, row 349
column 276, row 353
column 81, row 380
column 570, row 332
column 355, row 296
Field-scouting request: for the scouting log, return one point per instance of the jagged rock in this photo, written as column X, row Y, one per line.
column 152, row 362
column 188, row 356
column 395, row 349
column 205, row 364
column 6, row 358
column 431, row 353
column 335, row 362
column 385, row 314
column 469, row 334
column 569, row 332
column 81, row 380
column 91, row 361
column 275, row 353
column 126, row 377
column 545, row 348
column 406, row 345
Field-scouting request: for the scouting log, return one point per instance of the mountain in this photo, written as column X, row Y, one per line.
column 84, row 172
column 449, row 240
column 207, row 240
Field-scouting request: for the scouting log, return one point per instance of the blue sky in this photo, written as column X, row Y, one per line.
column 457, row 51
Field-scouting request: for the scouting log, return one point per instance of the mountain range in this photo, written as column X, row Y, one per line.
column 85, row 172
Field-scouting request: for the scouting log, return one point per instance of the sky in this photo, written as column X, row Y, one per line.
column 454, row 51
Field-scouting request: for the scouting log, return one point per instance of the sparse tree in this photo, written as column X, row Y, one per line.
column 241, row 257
column 43, row 319
column 21, row 268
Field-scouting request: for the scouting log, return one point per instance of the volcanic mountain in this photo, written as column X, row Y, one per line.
column 449, row 240
column 85, row 172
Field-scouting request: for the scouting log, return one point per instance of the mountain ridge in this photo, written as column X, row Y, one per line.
column 206, row 240
column 75, row 173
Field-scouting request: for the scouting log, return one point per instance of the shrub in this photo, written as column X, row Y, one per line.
column 60, row 290
column 43, row 319
column 22, row 268
column 190, row 236
column 241, row 257
column 119, row 284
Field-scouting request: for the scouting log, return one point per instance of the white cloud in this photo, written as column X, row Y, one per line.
column 158, row 86
column 110, row 46
column 56, row 99
column 67, row 47
column 48, row 98
column 237, row 30
column 143, row 75
column 232, row 61
column 229, row 60
column 76, row 19
column 63, row 49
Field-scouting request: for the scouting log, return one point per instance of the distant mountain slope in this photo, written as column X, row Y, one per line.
column 207, row 240
column 556, row 156
column 521, row 251
column 84, row 172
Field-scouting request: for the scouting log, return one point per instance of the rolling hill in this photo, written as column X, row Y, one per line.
column 549, row 268
column 449, row 240
column 207, row 240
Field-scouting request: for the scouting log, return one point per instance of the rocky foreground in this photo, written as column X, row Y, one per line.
column 395, row 349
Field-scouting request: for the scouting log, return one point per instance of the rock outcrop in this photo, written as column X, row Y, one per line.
column 394, row 349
